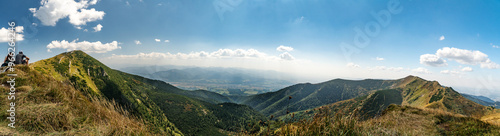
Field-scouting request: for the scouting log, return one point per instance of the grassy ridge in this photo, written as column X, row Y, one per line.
column 45, row 106
column 160, row 104
column 395, row 120
column 94, row 79
column 307, row 96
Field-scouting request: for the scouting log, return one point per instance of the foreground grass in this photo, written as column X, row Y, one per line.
column 45, row 106
column 395, row 120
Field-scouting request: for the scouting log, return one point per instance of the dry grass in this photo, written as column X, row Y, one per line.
column 396, row 120
column 49, row 107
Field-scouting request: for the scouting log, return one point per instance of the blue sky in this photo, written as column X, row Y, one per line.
column 293, row 36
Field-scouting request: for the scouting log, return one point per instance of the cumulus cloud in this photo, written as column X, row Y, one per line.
column 469, row 57
column 5, row 37
column 379, row 59
column 157, row 40
column 243, row 58
column 352, row 65
column 137, row 42
column 167, row 41
column 286, row 56
column 284, row 48
column 91, row 47
column 93, row 2
column 97, row 28
column 421, row 70
column 441, row 38
column 449, row 72
column 467, row 69
column 52, row 11
column 432, row 60
column 219, row 54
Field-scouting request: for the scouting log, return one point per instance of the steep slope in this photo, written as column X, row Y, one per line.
column 151, row 100
column 95, row 79
column 306, row 96
column 418, row 92
column 46, row 106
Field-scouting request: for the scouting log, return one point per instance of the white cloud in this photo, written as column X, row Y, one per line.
column 167, row 41
column 421, row 70
column 490, row 65
column 5, row 37
column 379, row 59
column 157, row 40
column 52, row 11
column 395, row 69
column 467, row 69
column 441, row 38
column 469, row 57
column 240, row 58
column 219, row 54
column 97, row 28
column 298, row 20
column 449, row 72
column 78, row 27
column 286, row 56
column 284, row 48
column 93, row 2
column 126, row 2
column 32, row 10
column 91, row 47
column 137, row 42
column 494, row 46
column 352, row 65
column 432, row 60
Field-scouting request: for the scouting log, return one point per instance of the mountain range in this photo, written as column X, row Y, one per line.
column 482, row 100
column 75, row 94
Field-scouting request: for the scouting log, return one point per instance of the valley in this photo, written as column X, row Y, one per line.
column 225, row 81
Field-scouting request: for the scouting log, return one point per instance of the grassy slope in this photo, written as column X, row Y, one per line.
column 430, row 109
column 412, row 90
column 395, row 120
column 152, row 100
column 95, row 79
column 418, row 92
column 46, row 106
column 306, row 96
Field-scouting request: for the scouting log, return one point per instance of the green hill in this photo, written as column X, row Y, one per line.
column 46, row 106
column 369, row 96
column 482, row 100
column 307, row 96
column 159, row 104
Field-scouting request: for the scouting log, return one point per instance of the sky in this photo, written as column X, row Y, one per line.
column 453, row 42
